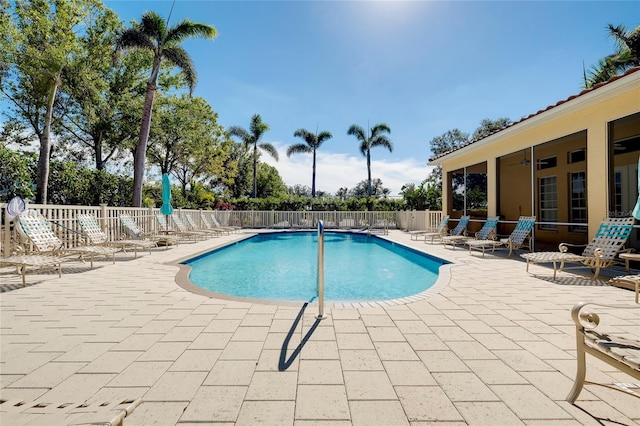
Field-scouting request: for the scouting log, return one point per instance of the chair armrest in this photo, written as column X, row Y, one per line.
column 564, row 247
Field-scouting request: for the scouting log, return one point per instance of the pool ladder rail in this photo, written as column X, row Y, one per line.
column 321, row 315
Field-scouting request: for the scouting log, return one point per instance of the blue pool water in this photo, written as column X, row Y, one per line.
column 283, row 266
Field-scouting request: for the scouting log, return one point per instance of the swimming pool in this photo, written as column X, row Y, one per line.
column 282, row 266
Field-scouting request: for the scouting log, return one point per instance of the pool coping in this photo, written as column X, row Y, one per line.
column 183, row 281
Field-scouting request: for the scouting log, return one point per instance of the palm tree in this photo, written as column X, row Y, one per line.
column 250, row 139
column 312, row 143
column 376, row 137
column 627, row 55
column 153, row 35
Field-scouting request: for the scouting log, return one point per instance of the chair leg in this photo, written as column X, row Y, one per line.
column 580, row 373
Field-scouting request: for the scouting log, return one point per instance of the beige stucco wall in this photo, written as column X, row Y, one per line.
column 590, row 112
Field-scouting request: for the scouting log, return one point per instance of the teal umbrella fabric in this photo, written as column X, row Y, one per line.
column 636, row 210
column 166, row 208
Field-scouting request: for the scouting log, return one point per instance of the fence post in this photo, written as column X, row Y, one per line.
column 103, row 217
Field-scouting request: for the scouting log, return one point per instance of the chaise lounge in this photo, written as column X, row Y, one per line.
column 600, row 253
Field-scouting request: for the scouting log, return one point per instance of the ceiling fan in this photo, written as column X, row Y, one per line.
column 526, row 162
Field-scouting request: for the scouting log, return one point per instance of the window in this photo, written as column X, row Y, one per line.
column 547, row 163
column 577, row 156
column 548, row 202
column 578, row 201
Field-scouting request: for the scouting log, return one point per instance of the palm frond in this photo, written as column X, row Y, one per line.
column 257, row 126
column 270, row 149
column 380, row 128
column 323, row 136
column 357, row 131
column 153, row 25
column 240, row 133
column 299, row 148
column 133, row 38
column 187, row 29
column 383, row 141
column 181, row 59
column 364, row 147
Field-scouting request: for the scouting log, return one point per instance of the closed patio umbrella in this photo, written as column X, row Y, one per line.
column 166, row 208
column 636, row 210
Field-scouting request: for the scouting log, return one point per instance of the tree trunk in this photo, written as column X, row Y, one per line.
column 369, row 172
column 254, row 193
column 45, row 148
column 313, row 176
column 141, row 148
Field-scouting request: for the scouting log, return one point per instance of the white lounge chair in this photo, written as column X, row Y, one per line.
column 36, row 230
column 22, row 261
column 136, row 233
column 457, row 234
column 95, row 236
column 600, row 253
column 439, row 232
column 193, row 227
column 518, row 238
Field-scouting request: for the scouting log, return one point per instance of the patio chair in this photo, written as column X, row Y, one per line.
column 631, row 282
column 600, row 337
column 135, row 233
column 36, row 230
column 22, row 261
column 17, row 412
column 457, row 234
column 600, row 253
column 439, row 231
column 95, row 236
column 215, row 222
column 518, row 238
column 486, row 234
column 212, row 224
column 191, row 224
column 181, row 230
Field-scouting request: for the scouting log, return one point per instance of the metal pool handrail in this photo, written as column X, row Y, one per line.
column 321, row 314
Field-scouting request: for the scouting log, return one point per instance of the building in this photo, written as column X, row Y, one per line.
column 570, row 165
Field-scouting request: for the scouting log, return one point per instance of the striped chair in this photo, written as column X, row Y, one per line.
column 601, row 252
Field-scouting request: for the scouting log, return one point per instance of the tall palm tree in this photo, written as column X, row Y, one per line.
column 627, row 55
column 251, row 138
column 376, row 137
column 312, row 143
column 153, row 35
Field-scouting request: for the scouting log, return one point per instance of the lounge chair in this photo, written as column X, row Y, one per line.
column 134, row 232
column 191, row 226
column 631, row 282
column 518, row 238
column 486, row 234
column 217, row 223
column 180, row 231
column 457, row 234
column 19, row 412
column 601, row 338
column 212, row 224
column 438, row 232
column 600, row 253
column 95, row 236
column 22, row 261
column 36, row 230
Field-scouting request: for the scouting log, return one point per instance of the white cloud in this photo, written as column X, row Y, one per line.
column 335, row 171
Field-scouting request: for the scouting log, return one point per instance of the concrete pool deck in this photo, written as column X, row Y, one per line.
column 492, row 345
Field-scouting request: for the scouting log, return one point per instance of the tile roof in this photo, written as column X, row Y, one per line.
column 570, row 98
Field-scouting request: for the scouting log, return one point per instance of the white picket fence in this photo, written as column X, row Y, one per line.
column 63, row 220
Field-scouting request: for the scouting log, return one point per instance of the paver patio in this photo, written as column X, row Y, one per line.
column 492, row 345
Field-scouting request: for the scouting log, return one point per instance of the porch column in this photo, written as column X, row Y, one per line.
column 492, row 187
column 597, row 176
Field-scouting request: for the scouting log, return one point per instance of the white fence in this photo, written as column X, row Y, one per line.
column 63, row 220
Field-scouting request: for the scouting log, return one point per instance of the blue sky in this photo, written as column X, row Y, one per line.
column 422, row 67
